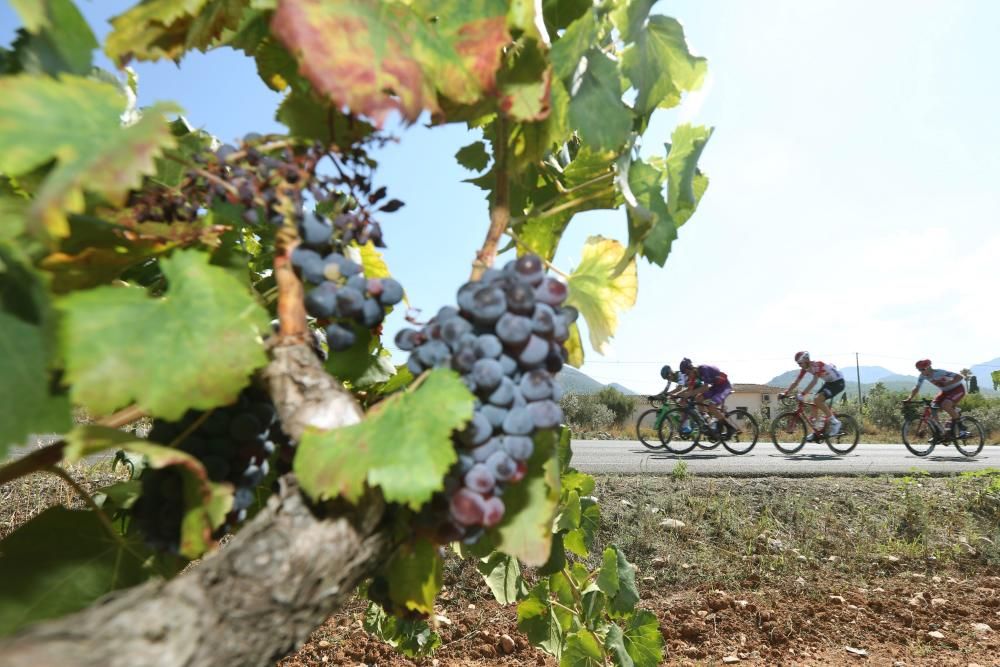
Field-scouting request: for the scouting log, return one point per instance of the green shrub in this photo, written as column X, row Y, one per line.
column 620, row 405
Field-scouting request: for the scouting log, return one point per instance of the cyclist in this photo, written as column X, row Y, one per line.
column 833, row 384
column 711, row 384
column 671, row 376
column 952, row 388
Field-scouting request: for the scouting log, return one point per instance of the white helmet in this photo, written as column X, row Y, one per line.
column 801, row 356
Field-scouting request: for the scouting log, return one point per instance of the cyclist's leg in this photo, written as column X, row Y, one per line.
column 828, row 392
column 949, row 403
column 716, row 398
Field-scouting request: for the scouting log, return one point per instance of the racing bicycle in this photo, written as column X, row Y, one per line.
column 703, row 430
column 921, row 433
column 791, row 429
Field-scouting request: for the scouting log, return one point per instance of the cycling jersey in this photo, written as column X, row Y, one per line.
column 945, row 380
column 711, row 375
column 825, row 372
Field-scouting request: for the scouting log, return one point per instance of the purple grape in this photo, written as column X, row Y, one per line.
column 467, row 507
column 494, row 414
column 543, row 321
column 483, row 452
column 477, row 431
column 358, row 282
column 433, row 353
column 321, row 302
column 371, row 313
column 488, row 346
column 519, row 447
column 513, row 329
column 518, row 422
column 569, row 314
column 339, row 338
column 487, row 374
column 488, row 304
column 392, row 292
column 464, row 359
column 493, row 510
column 534, row 352
column 479, row 478
column 501, row 465
column 309, row 264
column 407, row 339
column 503, row 395
column 453, row 328
column 536, row 385
column 315, row 231
column 551, row 291
column 520, row 298
column 350, row 302
column 545, row 414
column 530, row 269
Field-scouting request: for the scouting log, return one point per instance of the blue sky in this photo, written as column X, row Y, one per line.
column 853, row 204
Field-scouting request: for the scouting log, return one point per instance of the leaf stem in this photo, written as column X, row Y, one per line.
column 568, row 191
column 500, row 210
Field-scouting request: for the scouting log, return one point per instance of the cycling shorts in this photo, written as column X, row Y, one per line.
column 831, row 389
column 718, row 393
column 953, row 395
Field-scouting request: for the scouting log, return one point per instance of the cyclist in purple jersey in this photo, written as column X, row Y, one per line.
column 714, row 389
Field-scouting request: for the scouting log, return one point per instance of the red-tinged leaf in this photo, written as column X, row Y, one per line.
column 529, row 101
column 376, row 57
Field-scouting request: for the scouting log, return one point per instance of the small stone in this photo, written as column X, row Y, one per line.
column 935, row 634
column 775, row 545
column 936, row 579
column 800, row 581
column 839, row 599
column 856, row 651
column 938, row 602
column 730, row 660
column 435, row 663
column 981, row 628
column 742, row 604
column 893, row 559
column 649, row 580
column 323, row 643
column 832, row 559
column 472, row 606
column 702, row 613
column 506, row 644
column 801, row 558
column 627, row 503
column 658, row 563
column 672, row 524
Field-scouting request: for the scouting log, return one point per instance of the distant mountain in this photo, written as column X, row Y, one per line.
column 576, row 382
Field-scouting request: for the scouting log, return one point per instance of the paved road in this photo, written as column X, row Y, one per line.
column 599, row 456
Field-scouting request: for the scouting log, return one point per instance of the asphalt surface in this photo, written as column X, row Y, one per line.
column 624, row 456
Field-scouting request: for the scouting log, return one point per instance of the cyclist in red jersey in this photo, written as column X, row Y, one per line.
column 833, row 384
column 952, row 386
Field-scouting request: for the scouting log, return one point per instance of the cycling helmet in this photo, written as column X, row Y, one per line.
column 686, row 365
column 666, row 372
column 801, row 356
column 923, row 364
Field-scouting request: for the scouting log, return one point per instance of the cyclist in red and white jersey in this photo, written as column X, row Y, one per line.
column 833, row 384
column 952, row 386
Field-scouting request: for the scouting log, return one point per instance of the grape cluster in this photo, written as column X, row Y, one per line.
column 341, row 296
column 235, row 444
column 506, row 339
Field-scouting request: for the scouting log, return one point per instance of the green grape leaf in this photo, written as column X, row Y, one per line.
column 525, row 84
column 474, row 156
column 582, row 650
column 569, row 515
column 375, row 57
column 596, row 108
column 684, row 187
column 411, row 637
column 660, row 66
column 362, row 364
column 653, row 230
column 526, row 529
column 503, row 577
column 157, row 29
column 563, row 588
column 581, row 482
column 597, row 292
column 414, row 576
column 403, row 446
column 629, row 17
column 616, row 579
column 60, row 39
column 61, row 561
column 590, row 520
column 574, row 542
column 13, row 212
column 643, row 639
column 590, row 179
column 28, row 352
column 526, row 17
column 193, row 348
column 76, row 121
column 537, row 620
column 307, row 117
column 614, row 643
column 579, row 37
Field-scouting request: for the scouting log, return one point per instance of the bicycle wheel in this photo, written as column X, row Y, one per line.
column 845, row 441
column 681, row 443
column 971, row 444
column 788, row 432
column 646, row 431
column 743, row 441
column 917, row 437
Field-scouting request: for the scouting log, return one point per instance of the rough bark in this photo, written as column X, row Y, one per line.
column 249, row 604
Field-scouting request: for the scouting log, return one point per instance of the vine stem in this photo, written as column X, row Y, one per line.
column 207, row 175
column 82, row 492
column 500, row 210
column 50, row 455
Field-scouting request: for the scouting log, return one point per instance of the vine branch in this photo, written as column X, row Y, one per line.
column 500, row 210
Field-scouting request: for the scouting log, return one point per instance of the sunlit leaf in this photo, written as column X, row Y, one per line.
column 597, row 292
column 411, row 637
column 536, row 619
column 596, row 110
column 660, row 66
column 582, row 650
column 614, row 642
column 404, row 446
column 59, row 38
column 652, row 231
column 414, row 576
column 503, row 577
column 643, row 639
column 527, row 17
column 75, row 121
column 629, row 17
column 617, row 580
column 684, row 184
column 579, row 37
column 193, row 348
column 526, row 529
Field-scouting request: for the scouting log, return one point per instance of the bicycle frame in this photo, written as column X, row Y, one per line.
column 801, row 412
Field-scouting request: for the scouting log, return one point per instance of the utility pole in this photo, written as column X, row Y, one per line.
column 857, row 367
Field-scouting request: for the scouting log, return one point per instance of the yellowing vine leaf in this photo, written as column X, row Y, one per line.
column 193, row 348
column 76, row 122
column 598, row 293
column 375, row 57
